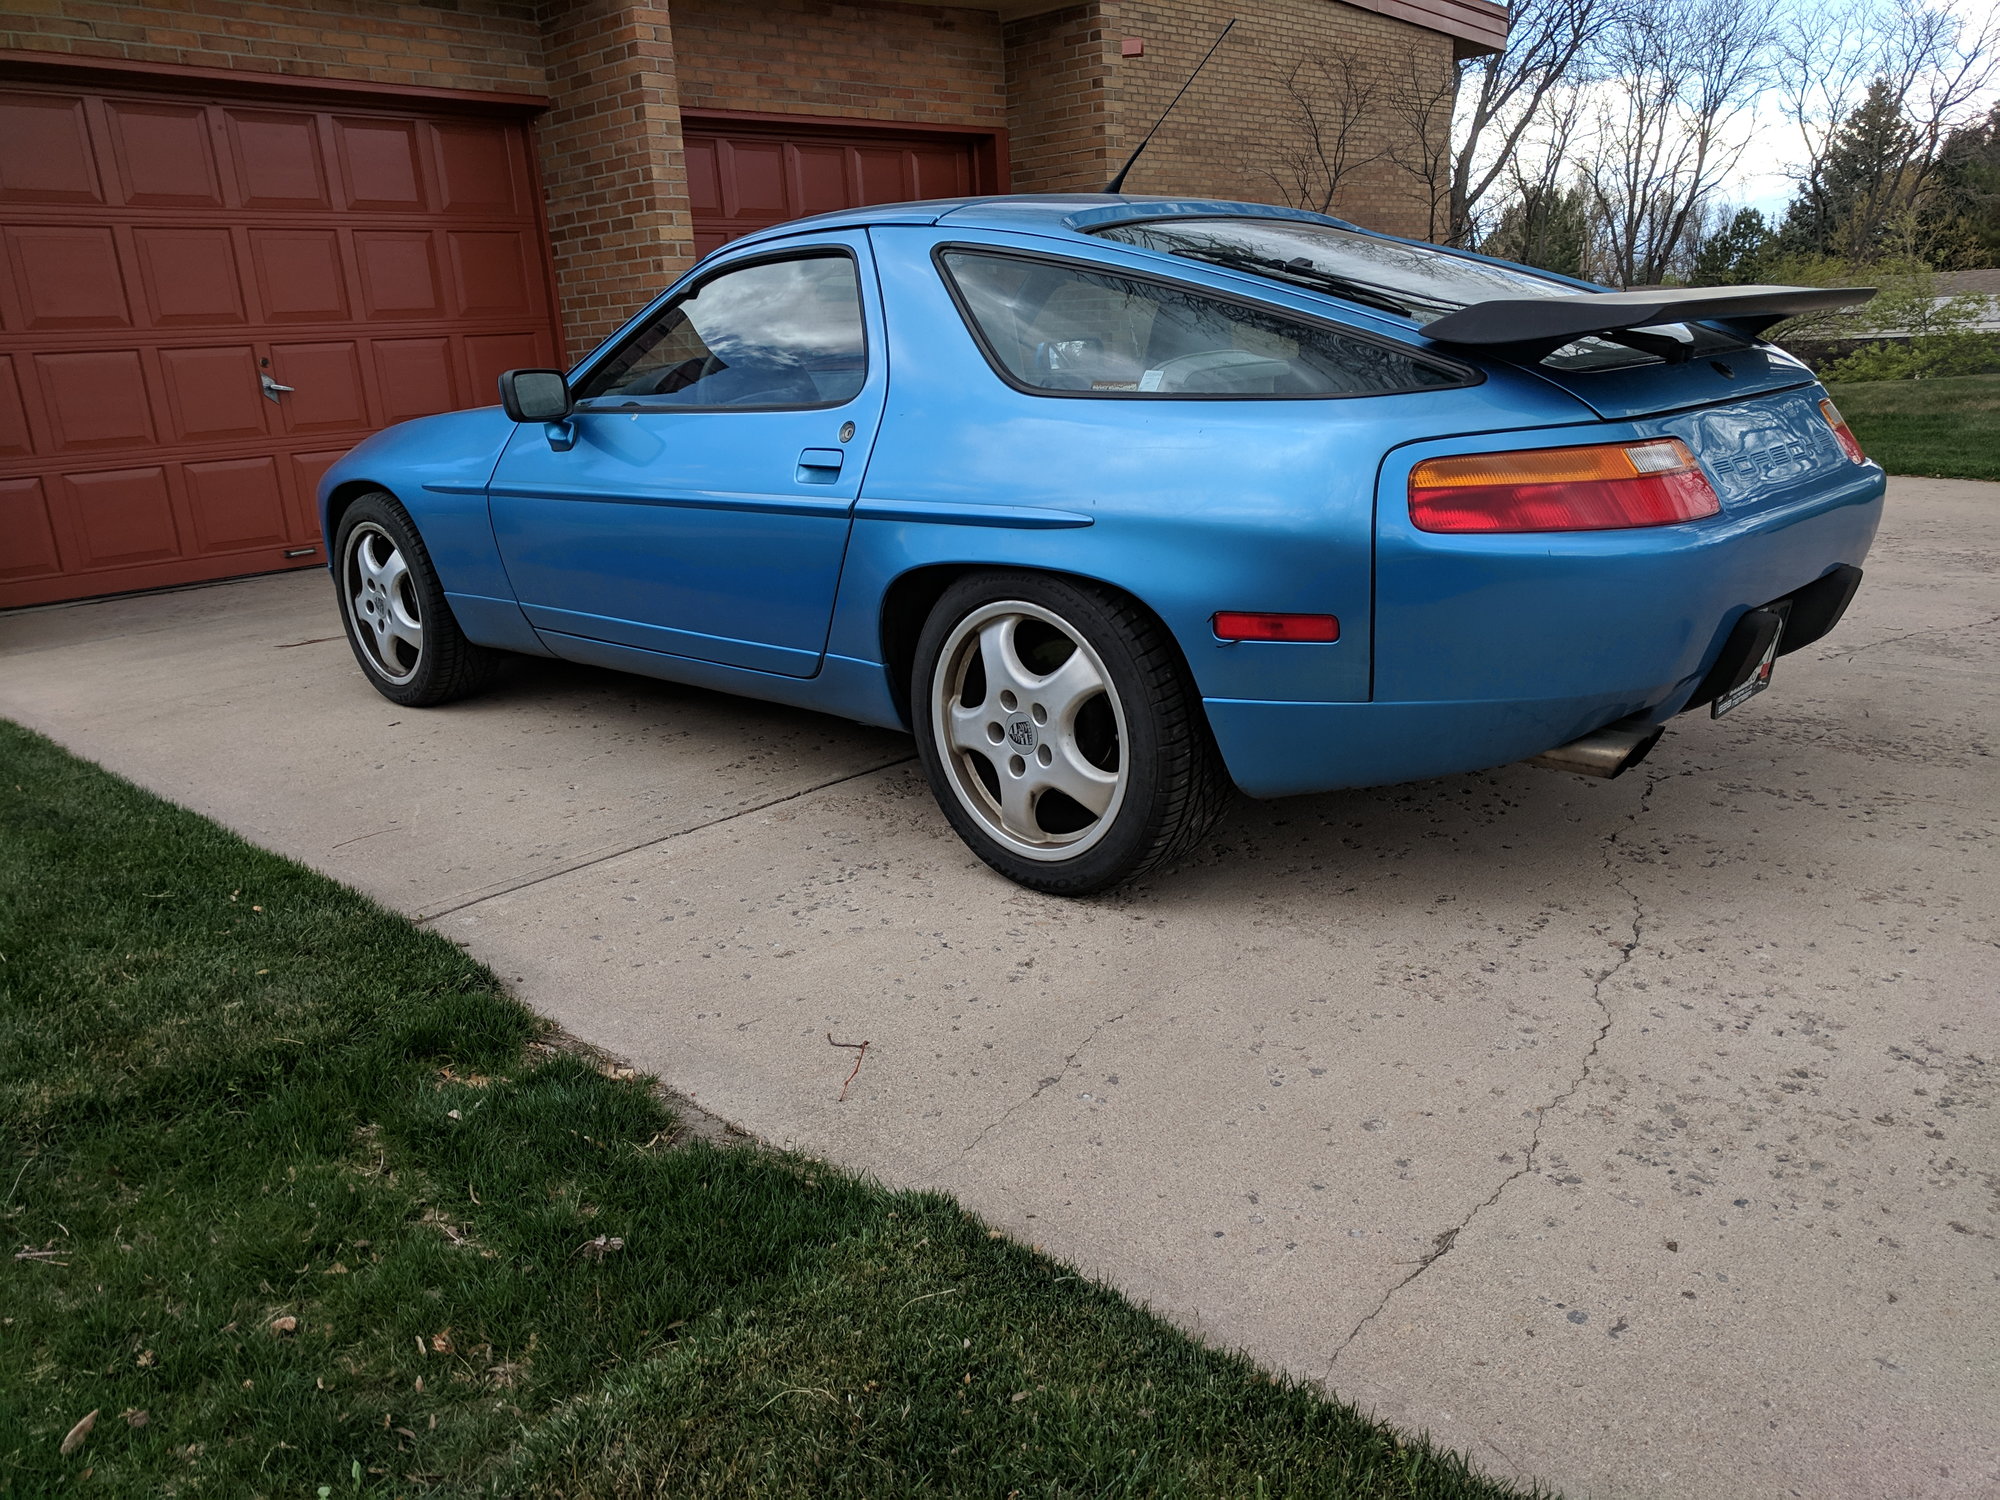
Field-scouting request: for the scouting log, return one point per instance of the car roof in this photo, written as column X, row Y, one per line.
column 1039, row 213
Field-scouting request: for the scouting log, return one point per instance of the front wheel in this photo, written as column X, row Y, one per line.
column 1060, row 733
column 393, row 606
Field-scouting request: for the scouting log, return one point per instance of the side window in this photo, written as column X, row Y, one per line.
column 1055, row 327
column 781, row 333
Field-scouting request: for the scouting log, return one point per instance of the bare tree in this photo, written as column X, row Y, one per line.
column 1423, row 104
column 1683, row 73
column 1506, row 98
column 1329, row 107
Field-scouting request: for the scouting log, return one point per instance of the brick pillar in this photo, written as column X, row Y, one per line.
column 1062, row 100
column 612, row 165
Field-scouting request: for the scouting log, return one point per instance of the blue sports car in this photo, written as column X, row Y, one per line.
column 1115, row 502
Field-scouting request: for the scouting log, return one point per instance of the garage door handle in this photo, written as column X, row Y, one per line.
column 272, row 389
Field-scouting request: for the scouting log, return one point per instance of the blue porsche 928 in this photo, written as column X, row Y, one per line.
column 1115, row 502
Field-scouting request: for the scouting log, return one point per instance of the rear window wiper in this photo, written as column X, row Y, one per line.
column 1305, row 273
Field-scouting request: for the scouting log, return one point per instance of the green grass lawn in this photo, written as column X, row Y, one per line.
column 1946, row 428
column 298, row 1202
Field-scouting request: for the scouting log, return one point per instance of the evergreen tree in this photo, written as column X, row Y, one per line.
column 1966, row 209
column 1547, row 227
column 1736, row 254
column 1867, row 189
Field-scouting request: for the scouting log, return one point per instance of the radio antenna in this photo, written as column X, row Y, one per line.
column 1117, row 183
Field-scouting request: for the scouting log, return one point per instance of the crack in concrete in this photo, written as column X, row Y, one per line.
column 1046, row 1084
column 1442, row 1243
column 1908, row 635
column 597, row 859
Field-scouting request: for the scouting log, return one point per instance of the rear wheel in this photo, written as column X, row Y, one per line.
column 1060, row 733
column 393, row 607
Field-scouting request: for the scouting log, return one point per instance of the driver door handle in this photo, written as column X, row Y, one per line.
column 819, row 466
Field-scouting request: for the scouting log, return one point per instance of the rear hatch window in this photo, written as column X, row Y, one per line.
column 1624, row 374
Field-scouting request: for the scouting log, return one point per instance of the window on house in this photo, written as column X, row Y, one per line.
column 1060, row 328
column 782, row 333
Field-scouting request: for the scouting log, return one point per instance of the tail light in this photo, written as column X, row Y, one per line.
column 1601, row 488
column 1849, row 443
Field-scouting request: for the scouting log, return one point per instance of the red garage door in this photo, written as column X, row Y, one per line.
column 750, row 174
column 165, row 261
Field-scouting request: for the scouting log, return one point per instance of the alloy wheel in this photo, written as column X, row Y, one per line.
column 1030, row 729
column 382, row 607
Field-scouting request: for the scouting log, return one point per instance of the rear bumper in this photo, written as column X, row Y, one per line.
column 1284, row 749
column 1489, row 652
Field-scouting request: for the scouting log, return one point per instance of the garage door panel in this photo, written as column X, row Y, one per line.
column 299, row 275
column 490, row 355
column 95, row 398
column 821, row 178
column 121, row 516
column 478, row 171
column 236, row 503
column 328, row 394
column 48, row 157
column 379, row 164
column 941, row 174
column 189, row 277
column 213, row 394
column 398, row 274
column 490, row 274
column 67, row 276
column 306, row 471
column 15, row 441
column 754, row 182
column 883, row 175
column 164, row 154
column 414, row 377
column 704, row 181
column 278, row 159
column 30, row 531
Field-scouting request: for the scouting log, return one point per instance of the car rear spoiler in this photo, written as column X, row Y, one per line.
column 1531, row 327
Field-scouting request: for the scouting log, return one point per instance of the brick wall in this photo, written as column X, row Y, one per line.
column 612, row 167
column 1231, row 135
column 476, row 44
column 1062, row 82
column 878, row 61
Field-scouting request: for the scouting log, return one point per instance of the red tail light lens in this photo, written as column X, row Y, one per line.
column 1243, row 625
column 1850, row 444
column 1605, row 487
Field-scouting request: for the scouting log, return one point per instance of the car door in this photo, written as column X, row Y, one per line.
column 698, row 501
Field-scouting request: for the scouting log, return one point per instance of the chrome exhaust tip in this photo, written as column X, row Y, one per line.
column 1604, row 753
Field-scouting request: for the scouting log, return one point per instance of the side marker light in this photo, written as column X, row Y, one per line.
column 1246, row 625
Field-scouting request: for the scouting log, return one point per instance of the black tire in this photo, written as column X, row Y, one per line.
column 1144, row 728
column 442, row 664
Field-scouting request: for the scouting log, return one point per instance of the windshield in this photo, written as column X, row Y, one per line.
column 1415, row 280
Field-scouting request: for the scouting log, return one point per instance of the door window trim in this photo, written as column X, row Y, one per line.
column 694, row 288
column 1467, row 375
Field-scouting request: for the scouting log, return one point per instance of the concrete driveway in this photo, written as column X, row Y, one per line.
column 1638, row 1137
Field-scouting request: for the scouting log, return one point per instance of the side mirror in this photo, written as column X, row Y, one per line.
column 535, row 395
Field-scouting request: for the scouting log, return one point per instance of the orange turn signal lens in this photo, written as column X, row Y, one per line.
column 1849, row 443
column 1244, row 625
column 1607, row 486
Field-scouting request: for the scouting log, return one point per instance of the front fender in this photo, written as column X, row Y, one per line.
column 437, row 468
